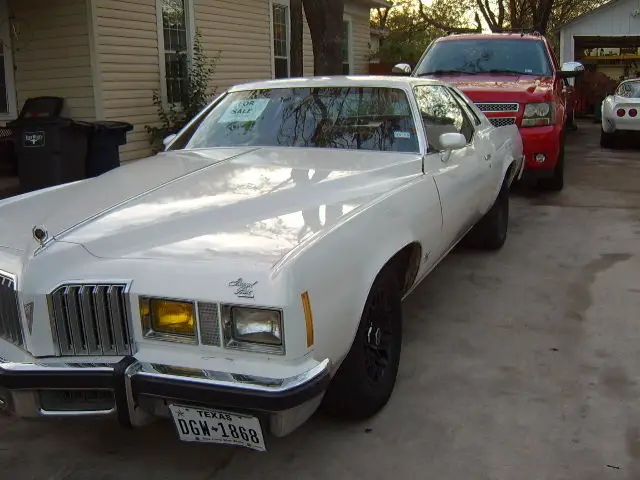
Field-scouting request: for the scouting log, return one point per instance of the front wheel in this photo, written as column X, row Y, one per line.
column 490, row 233
column 555, row 183
column 366, row 379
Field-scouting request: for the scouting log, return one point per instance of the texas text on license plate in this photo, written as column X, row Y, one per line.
column 204, row 425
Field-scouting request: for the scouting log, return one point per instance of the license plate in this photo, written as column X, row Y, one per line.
column 217, row 426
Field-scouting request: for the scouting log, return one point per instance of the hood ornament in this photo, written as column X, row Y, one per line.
column 28, row 312
column 40, row 234
column 243, row 289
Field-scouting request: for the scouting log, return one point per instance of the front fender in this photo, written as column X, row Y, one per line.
column 338, row 269
column 510, row 151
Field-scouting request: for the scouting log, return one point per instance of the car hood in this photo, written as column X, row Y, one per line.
column 257, row 204
column 495, row 87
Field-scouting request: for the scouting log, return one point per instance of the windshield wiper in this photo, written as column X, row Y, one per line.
column 500, row 70
column 445, row 72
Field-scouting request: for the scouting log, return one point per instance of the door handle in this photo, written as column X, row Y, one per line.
column 487, row 156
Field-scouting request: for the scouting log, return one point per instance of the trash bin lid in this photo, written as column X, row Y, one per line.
column 41, row 107
column 112, row 125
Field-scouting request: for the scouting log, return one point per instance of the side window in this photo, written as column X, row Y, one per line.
column 441, row 114
column 465, row 107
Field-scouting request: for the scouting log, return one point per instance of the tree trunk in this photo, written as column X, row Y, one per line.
column 542, row 16
column 325, row 25
column 296, row 52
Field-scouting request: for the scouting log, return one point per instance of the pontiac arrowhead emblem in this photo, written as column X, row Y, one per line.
column 243, row 289
column 40, row 234
column 28, row 313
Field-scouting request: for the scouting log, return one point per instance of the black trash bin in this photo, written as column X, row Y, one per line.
column 104, row 142
column 50, row 149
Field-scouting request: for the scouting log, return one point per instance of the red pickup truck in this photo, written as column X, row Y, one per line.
column 514, row 78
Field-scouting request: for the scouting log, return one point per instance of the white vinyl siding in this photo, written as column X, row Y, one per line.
column 360, row 38
column 126, row 38
column 52, row 54
column 241, row 31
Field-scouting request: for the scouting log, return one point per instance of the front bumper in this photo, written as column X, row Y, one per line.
column 541, row 140
column 130, row 385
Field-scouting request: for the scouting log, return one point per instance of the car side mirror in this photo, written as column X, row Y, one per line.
column 571, row 69
column 168, row 139
column 401, row 69
column 452, row 141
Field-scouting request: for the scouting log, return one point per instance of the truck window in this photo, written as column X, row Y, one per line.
column 496, row 55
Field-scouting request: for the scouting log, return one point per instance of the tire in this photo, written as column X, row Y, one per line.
column 366, row 378
column 556, row 182
column 490, row 233
column 607, row 140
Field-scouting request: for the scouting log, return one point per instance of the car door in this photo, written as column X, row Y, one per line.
column 456, row 172
column 490, row 173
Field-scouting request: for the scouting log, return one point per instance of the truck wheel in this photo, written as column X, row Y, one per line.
column 366, row 378
column 490, row 232
column 607, row 140
column 556, row 182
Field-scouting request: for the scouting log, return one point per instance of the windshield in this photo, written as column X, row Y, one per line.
column 334, row 117
column 510, row 56
column 629, row 89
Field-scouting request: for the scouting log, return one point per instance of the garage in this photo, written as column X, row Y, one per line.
column 607, row 41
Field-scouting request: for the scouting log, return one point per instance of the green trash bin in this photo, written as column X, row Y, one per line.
column 50, row 149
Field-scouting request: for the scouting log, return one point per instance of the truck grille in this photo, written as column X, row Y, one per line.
column 10, row 325
column 498, row 107
column 502, row 121
column 90, row 319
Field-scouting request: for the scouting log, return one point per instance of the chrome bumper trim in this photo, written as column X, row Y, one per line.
column 224, row 379
column 21, row 382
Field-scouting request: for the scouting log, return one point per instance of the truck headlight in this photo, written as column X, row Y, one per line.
column 538, row 114
column 253, row 329
column 165, row 319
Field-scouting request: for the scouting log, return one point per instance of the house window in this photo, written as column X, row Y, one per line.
column 175, row 32
column 7, row 89
column 280, row 21
column 346, row 47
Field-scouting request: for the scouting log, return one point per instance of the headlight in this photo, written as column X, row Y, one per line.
column 168, row 319
column 538, row 114
column 254, row 329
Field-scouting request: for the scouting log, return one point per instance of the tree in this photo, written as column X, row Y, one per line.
column 325, row 25
column 410, row 26
column 297, row 25
column 503, row 15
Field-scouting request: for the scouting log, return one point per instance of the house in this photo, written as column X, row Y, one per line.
column 107, row 57
column 605, row 40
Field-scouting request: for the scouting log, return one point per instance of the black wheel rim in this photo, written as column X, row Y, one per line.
column 379, row 335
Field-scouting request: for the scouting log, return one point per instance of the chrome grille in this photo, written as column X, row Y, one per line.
column 498, row 107
column 10, row 325
column 502, row 121
column 90, row 319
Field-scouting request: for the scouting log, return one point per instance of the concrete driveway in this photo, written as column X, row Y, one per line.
column 518, row 365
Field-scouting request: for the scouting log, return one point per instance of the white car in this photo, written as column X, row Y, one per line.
column 255, row 269
column 620, row 113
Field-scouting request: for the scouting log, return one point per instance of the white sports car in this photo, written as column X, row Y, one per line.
column 255, row 269
column 620, row 112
